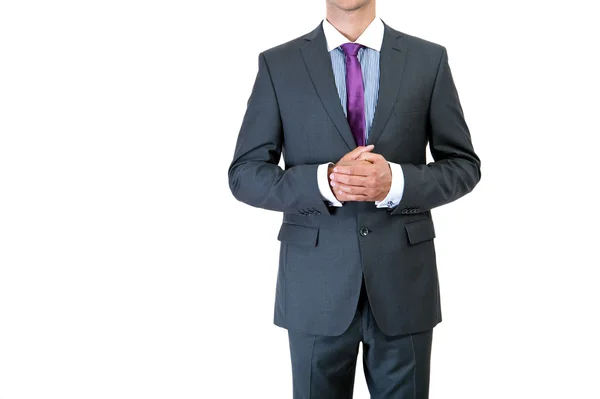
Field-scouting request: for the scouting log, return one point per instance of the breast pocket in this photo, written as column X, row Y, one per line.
column 409, row 107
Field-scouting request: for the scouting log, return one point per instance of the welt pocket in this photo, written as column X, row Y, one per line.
column 419, row 231
column 298, row 234
column 410, row 108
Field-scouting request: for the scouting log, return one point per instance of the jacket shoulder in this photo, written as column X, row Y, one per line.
column 284, row 50
column 423, row 44
column 418, row 45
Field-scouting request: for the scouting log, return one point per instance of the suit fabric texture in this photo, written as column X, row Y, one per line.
column 326, row 252
column 395, row 367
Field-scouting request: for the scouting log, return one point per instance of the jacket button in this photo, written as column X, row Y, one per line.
column 363, row 231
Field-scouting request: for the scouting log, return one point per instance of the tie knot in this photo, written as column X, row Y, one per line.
column 351, row 49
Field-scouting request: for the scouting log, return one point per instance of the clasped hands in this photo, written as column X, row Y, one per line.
column 360, row 176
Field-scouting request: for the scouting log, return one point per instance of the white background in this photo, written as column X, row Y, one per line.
column 128, row 270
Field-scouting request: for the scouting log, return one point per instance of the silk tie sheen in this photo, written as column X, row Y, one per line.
column 355, row 93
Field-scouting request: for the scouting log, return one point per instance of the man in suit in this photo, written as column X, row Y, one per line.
column 357, row 258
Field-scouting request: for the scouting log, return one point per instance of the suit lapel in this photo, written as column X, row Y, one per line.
column 391, row 67
column 318, row 63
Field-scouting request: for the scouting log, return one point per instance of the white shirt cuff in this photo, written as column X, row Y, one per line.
column 324, row 187
column 396, row 190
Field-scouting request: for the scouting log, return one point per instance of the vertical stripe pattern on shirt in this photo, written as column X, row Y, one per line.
column 369, row 63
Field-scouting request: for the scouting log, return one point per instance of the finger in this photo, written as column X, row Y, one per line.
column 350, row 180
column 359, row 170
column 371, row 157
column 342, row 196
column 356, row 190
column 355, row 153
column 353, row 162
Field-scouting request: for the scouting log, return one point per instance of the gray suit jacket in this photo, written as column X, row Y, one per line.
column 294, row 110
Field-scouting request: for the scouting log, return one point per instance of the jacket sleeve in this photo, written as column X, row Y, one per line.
column 255, row 177
column 456, row 168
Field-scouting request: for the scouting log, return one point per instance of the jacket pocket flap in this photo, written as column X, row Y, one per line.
column 420, row 231
column 298, row 234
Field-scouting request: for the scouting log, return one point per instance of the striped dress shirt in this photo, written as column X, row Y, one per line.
column 369, row 64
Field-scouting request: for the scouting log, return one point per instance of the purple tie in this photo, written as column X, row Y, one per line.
column 355, row 92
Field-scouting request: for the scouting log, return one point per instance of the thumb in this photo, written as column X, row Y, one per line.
column 355, row 153
column 370, row 157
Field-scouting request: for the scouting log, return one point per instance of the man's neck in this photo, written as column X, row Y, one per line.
column 351, row 24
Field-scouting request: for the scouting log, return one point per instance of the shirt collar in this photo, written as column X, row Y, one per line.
column 372, row 37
